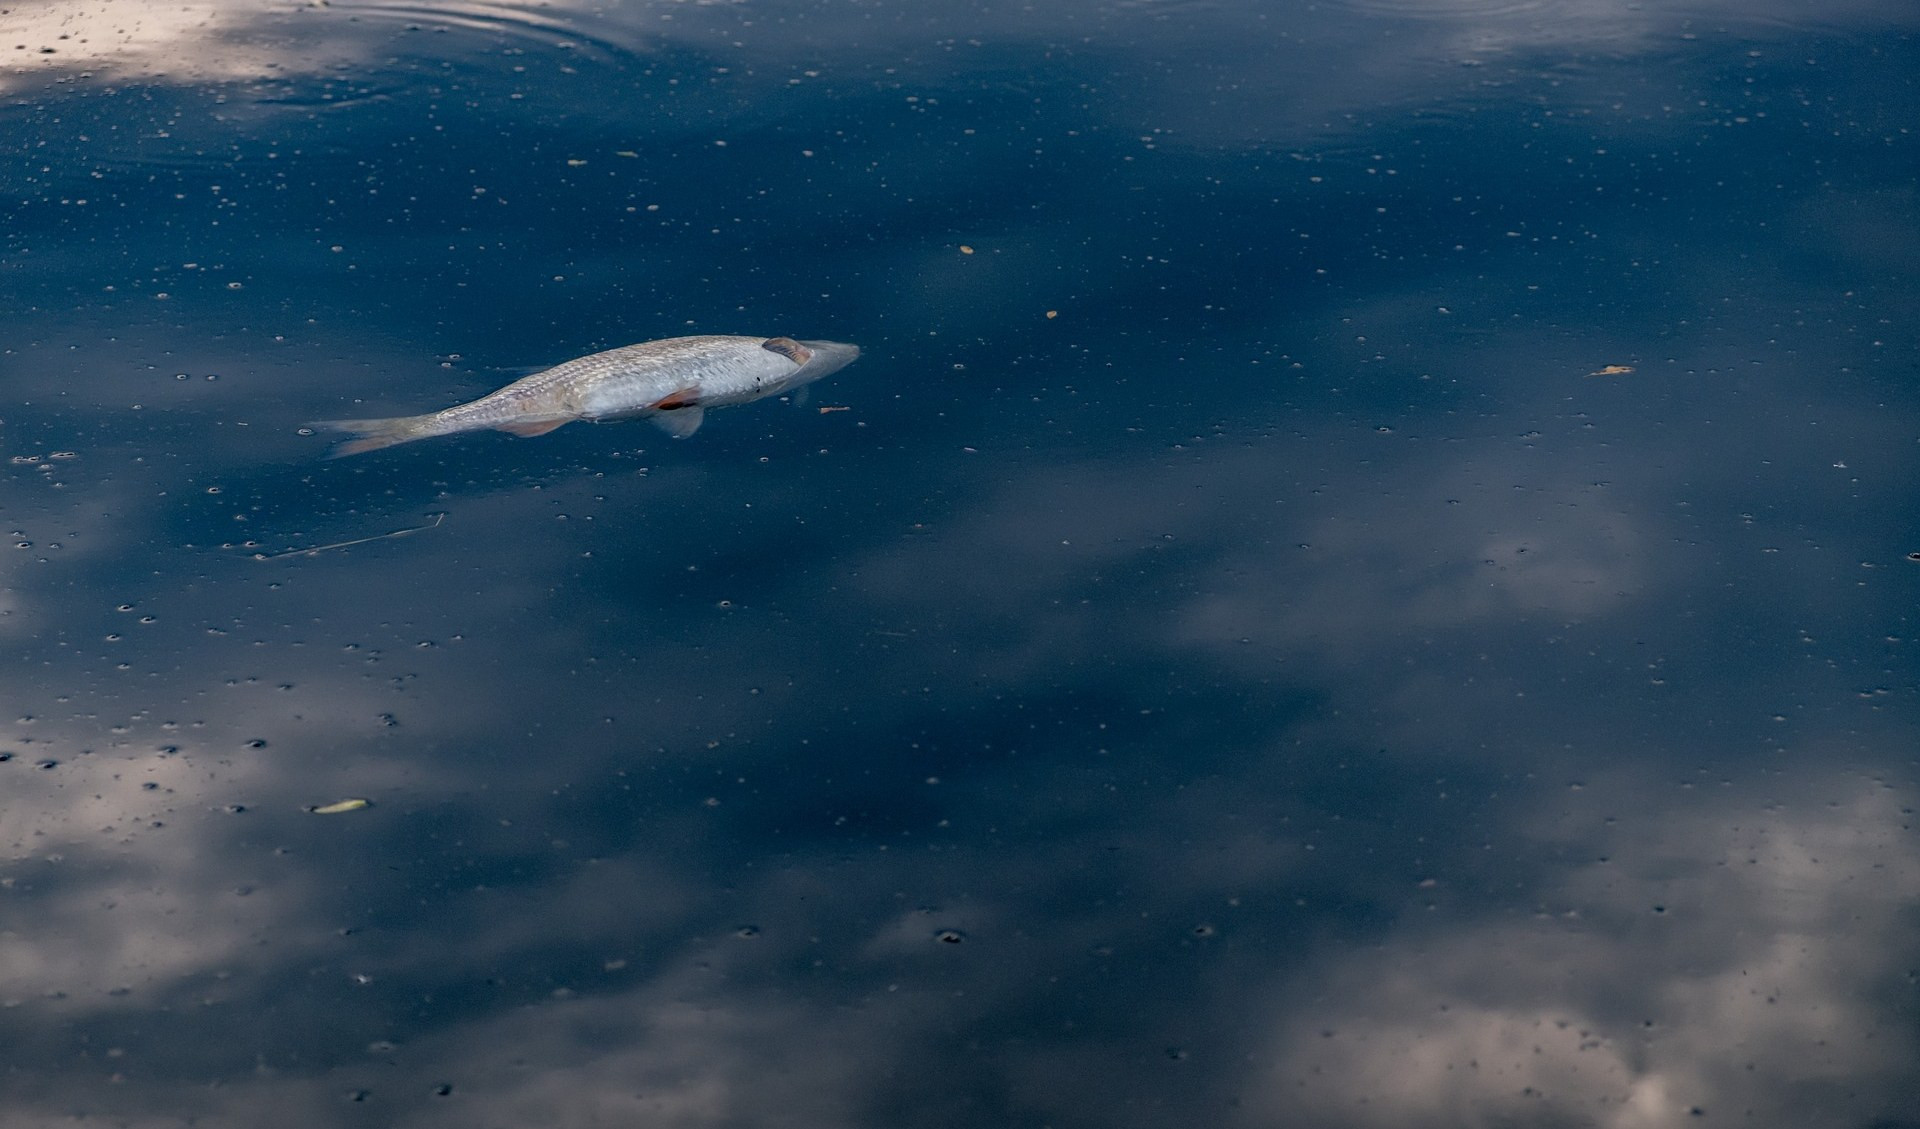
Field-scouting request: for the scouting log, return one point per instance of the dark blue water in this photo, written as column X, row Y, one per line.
column 1367, row 576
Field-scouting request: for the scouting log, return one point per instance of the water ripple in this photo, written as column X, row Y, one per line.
column 512, row 22
column 1448, row 9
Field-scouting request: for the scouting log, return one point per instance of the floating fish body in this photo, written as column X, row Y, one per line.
column 673, row 382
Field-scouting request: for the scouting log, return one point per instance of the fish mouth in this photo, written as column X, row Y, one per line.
column 829, row 356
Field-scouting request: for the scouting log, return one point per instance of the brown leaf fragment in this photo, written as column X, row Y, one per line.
column 1611, row 370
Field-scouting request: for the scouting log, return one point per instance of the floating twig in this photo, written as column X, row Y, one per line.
column 434, row 524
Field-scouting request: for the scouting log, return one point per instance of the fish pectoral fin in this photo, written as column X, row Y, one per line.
column 678, row 400
column 529, row 428
column 682, row 422
column 679, row 413
column 789, row 348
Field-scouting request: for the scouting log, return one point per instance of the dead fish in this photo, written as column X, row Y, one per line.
column 672, row 382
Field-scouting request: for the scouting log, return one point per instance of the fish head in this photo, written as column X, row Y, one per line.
column 827, row 357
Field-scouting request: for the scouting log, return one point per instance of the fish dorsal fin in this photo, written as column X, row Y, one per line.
column 680, row 423
column 527, row 429
column 789, row 348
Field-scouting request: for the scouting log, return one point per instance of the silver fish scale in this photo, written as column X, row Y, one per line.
column 630, row 379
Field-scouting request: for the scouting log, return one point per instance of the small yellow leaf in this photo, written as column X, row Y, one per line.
column 342, row 806
column 1611, row 370
column 965, row 250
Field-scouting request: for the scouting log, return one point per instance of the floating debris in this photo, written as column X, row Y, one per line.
column 434, row 524
column 1612, row 370
column 342, row 806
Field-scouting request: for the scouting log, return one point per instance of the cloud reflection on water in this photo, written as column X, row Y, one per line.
column 677, row 1018
column 1736, row 995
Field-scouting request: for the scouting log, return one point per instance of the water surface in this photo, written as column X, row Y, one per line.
column 1365, row 576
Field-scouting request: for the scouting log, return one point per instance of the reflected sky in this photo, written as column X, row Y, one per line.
column 1365, row 576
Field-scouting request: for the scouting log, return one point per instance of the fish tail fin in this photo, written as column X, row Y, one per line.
column 374, row 434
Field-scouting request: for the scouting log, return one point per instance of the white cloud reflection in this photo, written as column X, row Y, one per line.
column 1756, row 985
column 197, row 41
